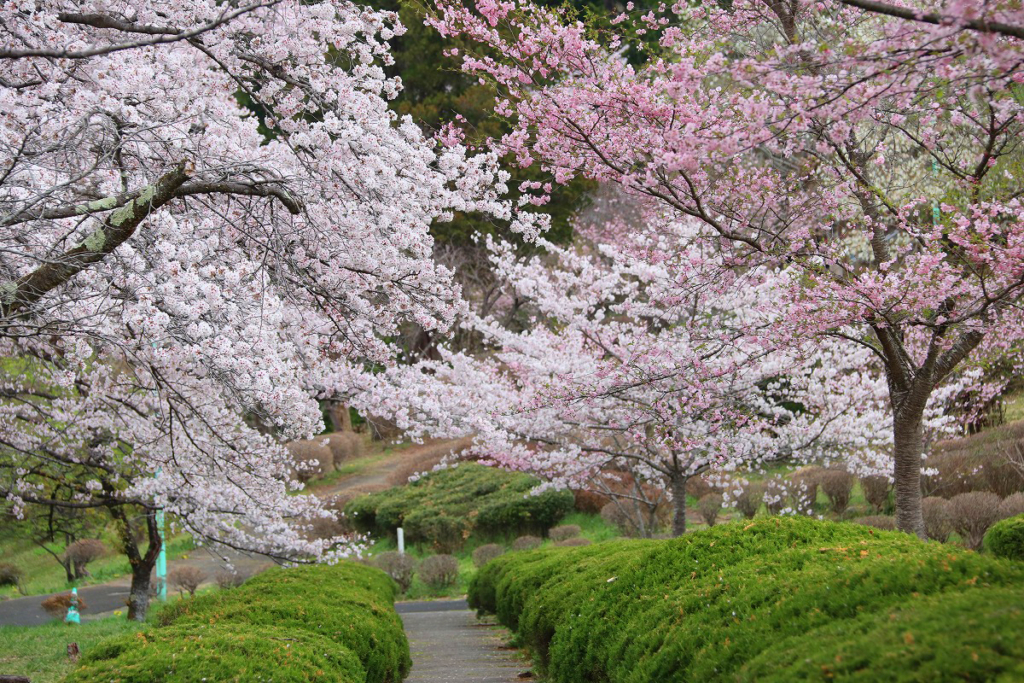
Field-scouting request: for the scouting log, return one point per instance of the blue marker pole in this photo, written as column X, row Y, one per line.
column 161, row 559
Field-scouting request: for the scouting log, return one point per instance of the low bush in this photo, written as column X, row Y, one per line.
column 776, row 494
column 445, row 507
column 709, row 506
column 590, row 502
column 749, row 500
column 57, row 605
column 573, row 542
column 876, row 490
column 311, row 459
column 186, row 579
column 527, row 543
column 344, row 446
column 10, row 574
column 82, row 552
column 938, row 518
column 1012, row 506
column 735, row 602
column 439, row 571
column 877, row 521
column 973, row 513
column 838, row 486
column 803, row 488
column 398, row 566
column 633, row 518
column 350, row 604
column 564, row 532
column 1005, row 538
column 227, row 578
column 219, row 652
column 486, row 553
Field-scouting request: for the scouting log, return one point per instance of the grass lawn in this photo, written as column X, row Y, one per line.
column 43, row 575
column 40, row 652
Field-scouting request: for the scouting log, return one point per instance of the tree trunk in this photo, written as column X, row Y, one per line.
column 908, row 437
column 67, row 570
column 142, row 565
column 679, row 504
column 138, row 598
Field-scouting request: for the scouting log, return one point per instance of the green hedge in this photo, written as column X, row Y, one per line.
column 445, row 507
column 1006, row 538
column 299, row 624
column 755, row 601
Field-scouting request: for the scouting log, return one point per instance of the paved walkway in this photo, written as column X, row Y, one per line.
column 451, row 646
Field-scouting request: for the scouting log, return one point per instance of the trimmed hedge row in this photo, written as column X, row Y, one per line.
column 777, row 599
column 445, row 507
column 1006, row 538
column 317, row 623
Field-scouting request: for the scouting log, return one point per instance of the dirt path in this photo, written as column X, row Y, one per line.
column 380, row 466
column 452, row 646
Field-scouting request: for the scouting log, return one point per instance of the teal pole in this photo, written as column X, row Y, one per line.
column 161, row 559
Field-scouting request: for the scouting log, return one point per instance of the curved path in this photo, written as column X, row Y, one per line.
column 449, row 645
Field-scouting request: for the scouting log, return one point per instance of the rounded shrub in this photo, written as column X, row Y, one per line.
column 573, row 542
column 803, row 488
column 1012, row 505
column 527, row 543
column 398, row 566
column 876, row 490
column 973, row 513
column 968, row 636
column 219, row 652
column 749, row 500
column 710, row 505
column 444, row 507
column 776, row 494
column 486, row 553
column 439, row 571
column 938, row 518
column 838, row 486
column 57, row 605
column 1006, row 538
column 564, row 532
column 708, row 605
column 10, row 574
column 350, row 604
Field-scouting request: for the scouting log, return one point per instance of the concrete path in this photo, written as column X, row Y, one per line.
column 98, row 599
column 449, row 645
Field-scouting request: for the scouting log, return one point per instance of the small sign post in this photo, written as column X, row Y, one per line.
column 401, row 541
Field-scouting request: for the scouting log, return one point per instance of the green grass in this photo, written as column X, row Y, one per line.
column 1014, row 407
column 42, row 574
column 40, row 652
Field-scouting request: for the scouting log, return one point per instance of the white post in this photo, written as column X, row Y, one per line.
column 401, row 541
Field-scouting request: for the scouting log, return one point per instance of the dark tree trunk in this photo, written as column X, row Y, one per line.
column 908, row 438
column 678, row 482
column 138, row 598
column 68, row 573
column 142, row 565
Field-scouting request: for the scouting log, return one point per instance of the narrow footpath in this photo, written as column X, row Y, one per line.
column 449, row 645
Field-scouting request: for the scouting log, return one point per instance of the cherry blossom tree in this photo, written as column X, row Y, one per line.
column 638, row 358
column 207, row 212
column 872, row 150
